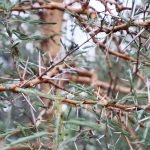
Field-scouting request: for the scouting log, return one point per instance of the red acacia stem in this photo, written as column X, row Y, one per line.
column 111, row 106
column 116, row 28
column 63, row 7
column 123, row 26
column 83, row 76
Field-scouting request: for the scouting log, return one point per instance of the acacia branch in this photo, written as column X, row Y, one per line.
column 112, row 29
column 84, row 77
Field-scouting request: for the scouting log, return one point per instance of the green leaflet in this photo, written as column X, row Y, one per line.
column 25, row 139
column 34, row 92
column 85, row 123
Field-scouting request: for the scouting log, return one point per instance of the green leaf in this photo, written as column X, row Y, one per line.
column 34, row 92
column 23, row 36
column 85, row 123
column 2, row 6
column 6, row 5
column 30, row 21
column 25, row 139
column 41, row 22
column 69, row 141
